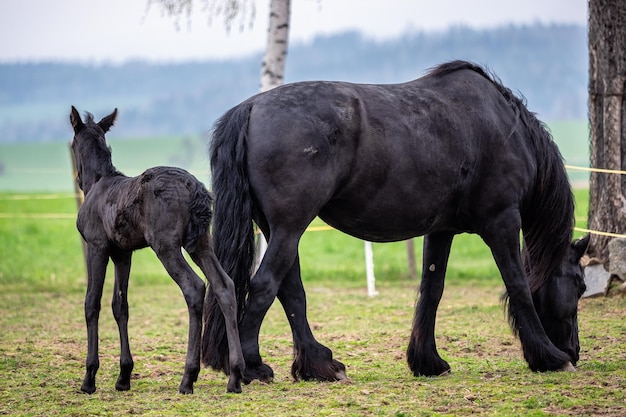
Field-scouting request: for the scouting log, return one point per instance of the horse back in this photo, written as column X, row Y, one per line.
column 387, row 162
column 163, row 204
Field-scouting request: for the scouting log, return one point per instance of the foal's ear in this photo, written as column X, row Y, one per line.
column 580, row 245
column 108, row 121
column 75, row 120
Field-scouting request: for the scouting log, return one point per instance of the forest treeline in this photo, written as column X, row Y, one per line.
column 547, row 64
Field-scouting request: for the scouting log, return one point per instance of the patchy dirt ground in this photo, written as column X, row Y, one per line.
column 44, row 342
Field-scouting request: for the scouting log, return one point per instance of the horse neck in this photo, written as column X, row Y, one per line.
column 94, row 169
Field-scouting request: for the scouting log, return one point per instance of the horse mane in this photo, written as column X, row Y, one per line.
column 101, row 149
column 548, row 211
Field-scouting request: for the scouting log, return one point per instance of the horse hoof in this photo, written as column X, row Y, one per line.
column 263, row 373
column 122, row 385
column 568, row 367
column 234, row 388
column 88, row 390
column 185, row 390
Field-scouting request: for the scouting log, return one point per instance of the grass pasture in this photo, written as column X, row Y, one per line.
column 43, row 343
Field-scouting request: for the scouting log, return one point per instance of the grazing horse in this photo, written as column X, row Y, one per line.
column 452, row 152
column 165, row 208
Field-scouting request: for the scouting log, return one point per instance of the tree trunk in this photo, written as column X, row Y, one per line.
column 273, row 67
column 273, row 71
column 607, row 108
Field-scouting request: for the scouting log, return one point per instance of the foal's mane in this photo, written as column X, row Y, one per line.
column 99, row 150
column 548, row 210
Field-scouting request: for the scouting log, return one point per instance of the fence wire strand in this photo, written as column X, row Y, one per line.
column 64, row 216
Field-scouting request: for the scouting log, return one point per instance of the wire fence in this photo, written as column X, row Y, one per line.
column 65, row 216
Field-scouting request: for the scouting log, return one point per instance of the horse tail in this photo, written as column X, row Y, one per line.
column 200, row 214
column 233, row 232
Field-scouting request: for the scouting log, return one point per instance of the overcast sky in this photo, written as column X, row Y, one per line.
column 118, row 30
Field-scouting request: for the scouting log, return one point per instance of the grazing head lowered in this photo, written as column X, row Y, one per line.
column 556, row 301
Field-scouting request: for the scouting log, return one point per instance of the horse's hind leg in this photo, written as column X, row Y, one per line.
column 224, row 290
column 280, row 256
column 422, row 354
column 97, row 260
column 312, row 360
column 193, row 290
column 119, row 304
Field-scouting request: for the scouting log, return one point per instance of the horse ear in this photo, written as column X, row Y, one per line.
column 75, row 120
column 108, row 121
column 580, row 245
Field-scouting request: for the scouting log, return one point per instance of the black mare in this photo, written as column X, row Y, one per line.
column 452, row 152
column 166, row 209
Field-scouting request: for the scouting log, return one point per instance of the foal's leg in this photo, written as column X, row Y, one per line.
column 312, row 360
column 193, row 290
column 224, row 290
column 422, row 353
column 119, row 304
column 502, row 236
column 97, row 260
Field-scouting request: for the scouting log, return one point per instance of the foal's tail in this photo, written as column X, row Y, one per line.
column 200, row 214
column 233, row 233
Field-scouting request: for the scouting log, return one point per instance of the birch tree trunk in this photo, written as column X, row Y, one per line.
column 273, row 70
column 607, row 110
column 273, row 67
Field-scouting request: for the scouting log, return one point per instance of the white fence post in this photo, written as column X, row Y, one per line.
column 369, row 269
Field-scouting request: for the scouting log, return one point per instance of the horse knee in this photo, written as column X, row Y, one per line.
column 194, row 296
column 92, row 310
column 119, row 307
column 226, row 298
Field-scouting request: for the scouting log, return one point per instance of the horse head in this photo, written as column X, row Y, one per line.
column 556, row 301
column 91, row 153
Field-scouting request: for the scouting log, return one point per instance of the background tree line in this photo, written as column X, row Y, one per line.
column 546, row 63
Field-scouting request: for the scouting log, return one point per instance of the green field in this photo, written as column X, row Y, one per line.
column 43, row 343
column 41, row 249
column 46, row 167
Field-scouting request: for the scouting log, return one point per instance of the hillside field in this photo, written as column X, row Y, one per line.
column 46, row 167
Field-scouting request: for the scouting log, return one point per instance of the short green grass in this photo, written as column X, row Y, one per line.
column 41, row 249
column 43, row 348
column 43, row 343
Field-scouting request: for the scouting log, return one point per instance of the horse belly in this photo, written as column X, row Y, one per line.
column 392, row 219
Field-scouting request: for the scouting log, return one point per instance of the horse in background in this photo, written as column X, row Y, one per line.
column 452, row 152
column 165, row 208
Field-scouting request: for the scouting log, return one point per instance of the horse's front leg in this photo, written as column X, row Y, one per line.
column 119, row 304
column 502, row 237
column 97, row 260
column 312, row 360
column 422, row 354
column 193, row 289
